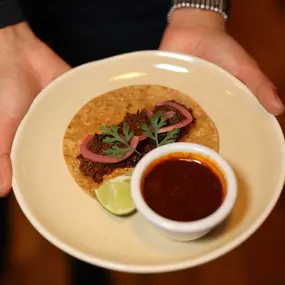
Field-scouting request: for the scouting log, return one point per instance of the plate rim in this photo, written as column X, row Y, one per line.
column 171, row 267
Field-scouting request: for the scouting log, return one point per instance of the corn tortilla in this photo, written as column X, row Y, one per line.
column 110, row 108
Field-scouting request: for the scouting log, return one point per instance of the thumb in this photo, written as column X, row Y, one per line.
column 262, row 87
column 8, row 128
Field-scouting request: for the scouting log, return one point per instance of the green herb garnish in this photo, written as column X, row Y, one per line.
column 113, row 136
column 170, row 137
column 158, row 121
column 120, row 152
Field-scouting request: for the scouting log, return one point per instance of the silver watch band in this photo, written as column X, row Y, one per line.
column 219, row 6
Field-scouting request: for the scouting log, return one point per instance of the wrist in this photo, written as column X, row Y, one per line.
column 197, row 18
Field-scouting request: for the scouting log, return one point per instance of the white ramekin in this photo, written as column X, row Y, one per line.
column 184, row 231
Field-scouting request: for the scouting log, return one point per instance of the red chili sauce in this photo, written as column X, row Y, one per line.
column 183, row 187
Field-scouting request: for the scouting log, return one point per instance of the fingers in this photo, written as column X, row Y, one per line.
column 8, row 128
column 230, row 56
column 5, row 174
column 262, row 87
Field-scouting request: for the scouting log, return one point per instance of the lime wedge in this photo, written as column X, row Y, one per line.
column 115, row 195
column 128, row 173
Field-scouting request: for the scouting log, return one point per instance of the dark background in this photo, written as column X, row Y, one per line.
column 259, row 25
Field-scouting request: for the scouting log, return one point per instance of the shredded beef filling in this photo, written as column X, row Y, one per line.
column 134, row 121
column 98, row 170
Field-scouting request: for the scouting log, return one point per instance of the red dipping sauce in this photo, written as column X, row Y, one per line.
column 183, row 187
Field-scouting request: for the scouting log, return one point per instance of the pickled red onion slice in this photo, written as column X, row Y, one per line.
column 142, row 137
column 188, row 117
column 169, row 114
column 86, row 153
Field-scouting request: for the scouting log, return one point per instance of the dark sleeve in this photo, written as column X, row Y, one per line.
column 10, row 13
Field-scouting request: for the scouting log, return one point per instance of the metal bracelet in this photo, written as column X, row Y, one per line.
column 206, row 5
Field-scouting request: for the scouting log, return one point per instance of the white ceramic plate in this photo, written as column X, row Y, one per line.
column 250, row 140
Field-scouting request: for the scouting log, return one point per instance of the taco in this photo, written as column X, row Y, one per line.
column 110, row 134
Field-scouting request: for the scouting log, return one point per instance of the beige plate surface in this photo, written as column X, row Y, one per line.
column 250, row 139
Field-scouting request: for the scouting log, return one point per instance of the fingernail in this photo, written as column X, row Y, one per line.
column 3, row 191
column 278, row 104
column 1, row 185
column 278, row 100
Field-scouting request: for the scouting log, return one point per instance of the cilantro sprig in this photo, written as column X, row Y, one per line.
column 157, row 121
column 112, row 135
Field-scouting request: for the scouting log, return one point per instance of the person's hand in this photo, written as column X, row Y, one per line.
column 26, row 66
column 202, row 34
